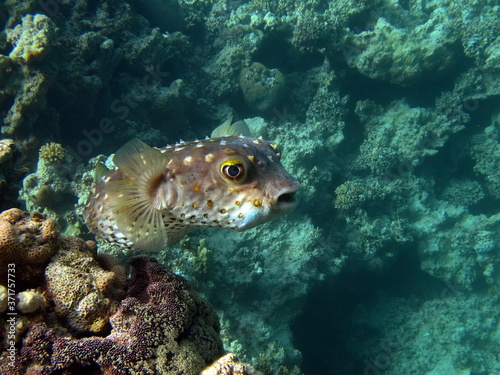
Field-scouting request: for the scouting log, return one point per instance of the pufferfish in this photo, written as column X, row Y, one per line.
column 155, row 196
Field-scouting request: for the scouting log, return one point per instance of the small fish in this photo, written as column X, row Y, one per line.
column 155, row 196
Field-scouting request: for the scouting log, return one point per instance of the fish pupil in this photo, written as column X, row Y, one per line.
column 234, row 171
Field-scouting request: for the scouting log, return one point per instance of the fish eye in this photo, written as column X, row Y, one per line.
column 233, row 170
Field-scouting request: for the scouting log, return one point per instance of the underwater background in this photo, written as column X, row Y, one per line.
column 387, row 111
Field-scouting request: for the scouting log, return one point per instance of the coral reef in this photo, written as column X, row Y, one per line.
column 403, row 137
column 32, row 39
column 261, row 306
column 55, row 186
column 315, row 138
column 52, row 152
column 463, row 192
column 28, row 242
column 447, row 328
column 228, row 365
column 26, row 85
column 389, row 119
column 83, row 289
column 466, row 252
column 160, row 326
column 405, row 55
column 30, row 301
column 262, row 87
column 486, row 153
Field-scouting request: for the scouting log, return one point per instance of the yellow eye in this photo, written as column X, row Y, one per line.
column 233, row 170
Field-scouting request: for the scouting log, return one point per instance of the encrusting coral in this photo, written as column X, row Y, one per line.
column 84, row 292
column 230, row 365
column 30, row 301
column 31, row 39
column 262, row 87
column 28, row 242
column 404, row 55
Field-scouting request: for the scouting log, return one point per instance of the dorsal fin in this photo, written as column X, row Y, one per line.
column 228, row 128
column 131, row 198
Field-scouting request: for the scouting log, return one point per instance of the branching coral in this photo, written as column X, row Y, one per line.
column 349, row 194
column 52, row 152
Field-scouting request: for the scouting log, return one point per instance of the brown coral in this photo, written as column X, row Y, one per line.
column 84, row 293
column 31, row 39
column 230, row 365
column 349, row 194
column 6, row 149
column 28, row 242
column 262, row 87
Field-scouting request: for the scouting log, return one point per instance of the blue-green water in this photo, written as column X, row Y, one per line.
column 388, row 113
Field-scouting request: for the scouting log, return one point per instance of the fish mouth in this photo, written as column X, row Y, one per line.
column 286, row 202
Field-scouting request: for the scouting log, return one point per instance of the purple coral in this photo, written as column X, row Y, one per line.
column 161, row 327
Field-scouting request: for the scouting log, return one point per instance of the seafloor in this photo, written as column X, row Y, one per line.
column 388, row 112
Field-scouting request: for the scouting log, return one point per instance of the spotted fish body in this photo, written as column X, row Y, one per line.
column 155, row 196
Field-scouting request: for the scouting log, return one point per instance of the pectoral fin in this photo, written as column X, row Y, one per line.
column 134, row 199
